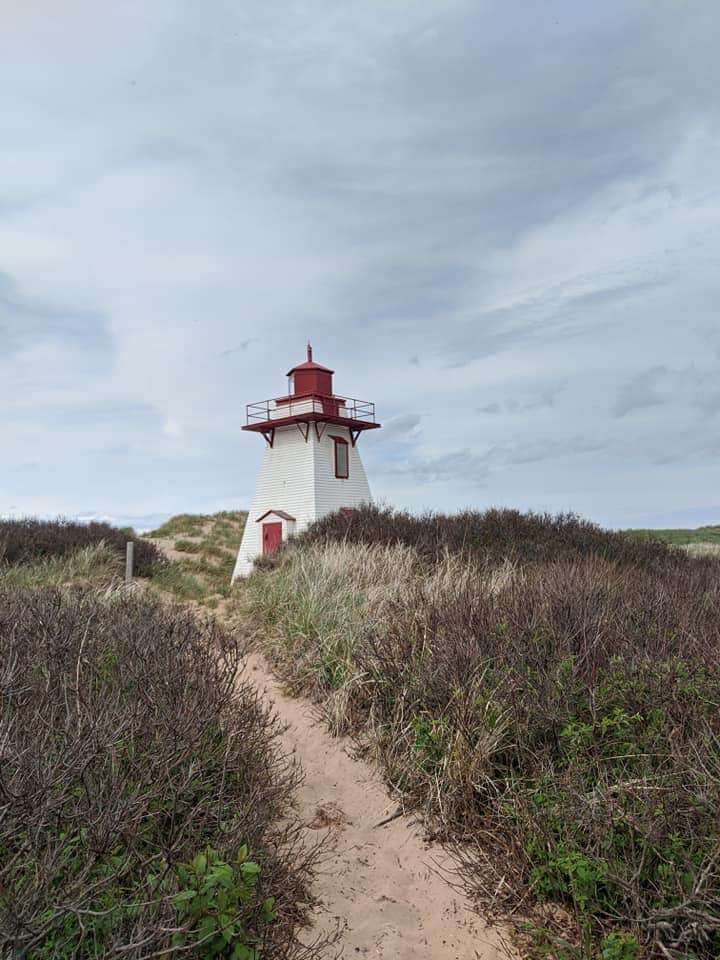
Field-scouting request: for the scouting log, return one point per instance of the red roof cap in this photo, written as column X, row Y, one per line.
column 309, row 364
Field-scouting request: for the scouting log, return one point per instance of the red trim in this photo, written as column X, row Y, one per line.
column 311, row 366
column 304, row 433
column 269, row 436
column 337, row 441
column 348, row 422
column 278, row 513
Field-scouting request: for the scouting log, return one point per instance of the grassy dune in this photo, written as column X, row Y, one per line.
column 698, row 542
column 680, row 537
column 546, row 693
column 203, row 549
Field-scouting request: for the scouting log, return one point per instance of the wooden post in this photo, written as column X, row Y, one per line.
column 129, row 559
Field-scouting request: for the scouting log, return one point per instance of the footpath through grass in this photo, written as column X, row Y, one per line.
column 545, row 692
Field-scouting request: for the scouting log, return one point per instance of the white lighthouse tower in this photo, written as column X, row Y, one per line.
column 312, row 466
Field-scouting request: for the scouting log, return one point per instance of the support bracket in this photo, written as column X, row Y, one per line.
column 319, row 432
column 304, row 433
column 354, row 434
column 269, row 436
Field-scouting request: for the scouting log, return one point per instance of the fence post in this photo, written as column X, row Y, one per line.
column 129, row 561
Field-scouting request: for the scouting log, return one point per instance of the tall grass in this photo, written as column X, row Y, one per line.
column 557, row 715
column 97, row 566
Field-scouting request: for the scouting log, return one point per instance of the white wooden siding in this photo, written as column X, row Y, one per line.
column 331, row 493
column 298, row 476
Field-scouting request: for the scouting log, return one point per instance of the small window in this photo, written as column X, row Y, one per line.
column 342, row 460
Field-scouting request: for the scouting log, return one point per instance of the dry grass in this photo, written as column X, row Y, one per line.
column 560, row 719
column 703, row 549
column 98, row 566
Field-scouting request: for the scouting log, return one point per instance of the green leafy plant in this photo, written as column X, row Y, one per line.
column 619, row 946
column 547, row 946
column 215, row 903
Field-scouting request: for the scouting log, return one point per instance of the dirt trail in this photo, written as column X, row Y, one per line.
column 381, row 885
column 378, row 883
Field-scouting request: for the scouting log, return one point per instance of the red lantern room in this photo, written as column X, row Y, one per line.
column 310, row 400
column 309, row 378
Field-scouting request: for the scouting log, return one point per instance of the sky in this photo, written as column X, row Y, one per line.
column 500, row 222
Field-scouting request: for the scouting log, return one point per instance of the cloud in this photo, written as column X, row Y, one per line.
column 240, row 347
column 469, row 467
column 662, row 385
column 554, row 313
column 646, row 389
column 507, row 238
column 27, row 321
column 457, row 466
column 542, row 399
column 403, row 427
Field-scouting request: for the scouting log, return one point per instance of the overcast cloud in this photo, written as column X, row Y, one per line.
column 500, row 222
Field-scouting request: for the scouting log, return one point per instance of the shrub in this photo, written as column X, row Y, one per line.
column 556, row 715
column 145, row 806
column 493, row 536
column 22, row 541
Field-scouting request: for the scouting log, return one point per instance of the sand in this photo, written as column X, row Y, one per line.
column 381, row 885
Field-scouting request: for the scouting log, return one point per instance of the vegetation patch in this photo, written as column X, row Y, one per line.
column 494, row 536
column 97, row 566
column 208, row 546
column 145, row 806
column 547, row 693
column 25, row 541
column 193, row 524
column 681, row 538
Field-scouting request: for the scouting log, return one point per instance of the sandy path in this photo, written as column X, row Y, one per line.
column 377, row 882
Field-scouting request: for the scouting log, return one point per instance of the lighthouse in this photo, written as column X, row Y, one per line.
column 312, row 464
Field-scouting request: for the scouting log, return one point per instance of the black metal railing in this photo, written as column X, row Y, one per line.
column 362, row 411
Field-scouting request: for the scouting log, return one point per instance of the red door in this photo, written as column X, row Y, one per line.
column 272, row 537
